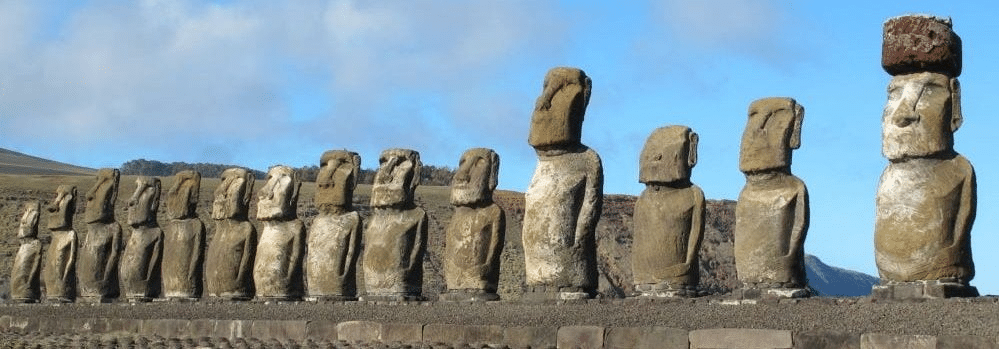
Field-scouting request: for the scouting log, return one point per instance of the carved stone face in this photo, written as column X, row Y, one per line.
column 29, row 220
column 232, row 196
column 557, row 121
column 182, row 197
column 337, row 178
column 773, row 130
column 476, row 177
column 101, row 198
column 668, row 155
column 922, row 113
column 397, row 178
column 144, row 202
column 278, row 199
column 63, row 208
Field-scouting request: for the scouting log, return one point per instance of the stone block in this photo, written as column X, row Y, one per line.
column 282, row 330
column 201, row 328
column 232, row 329
column 744, row 338
column 24, row 325
column 321, row 330
column 530, row 337
column 167, row 328
column 89, row 326
column 484, row 334
column 580, row 337
column 444, row 333
column 124, row 326
column 890, row 341
column 359, row 331
column 826, row 340
column 402, row 333
column 4, row 322
column 645, row 338
column 966, row 342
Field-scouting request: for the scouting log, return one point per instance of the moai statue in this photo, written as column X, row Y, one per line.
column 565, row 197
column 396, row 237
column 926, row 197
column 59, row 272
column 183, row 239
column 334, row 239
column 477, row 231
column 25, row 285
column 669, row 216
column 101, row 248
column 771, row 217
column 229, row 262
column 277, row 271
column 140, row 262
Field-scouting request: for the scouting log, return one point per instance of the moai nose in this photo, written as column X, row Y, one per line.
column 905, row 114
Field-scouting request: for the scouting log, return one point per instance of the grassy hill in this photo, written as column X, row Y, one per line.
column 12, row 162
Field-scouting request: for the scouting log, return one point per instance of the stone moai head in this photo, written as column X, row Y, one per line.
column 337, row 179
column 476, row 177
column 28, row 229
column 278, row 199
column 668, row 156
column 773, row 130
column 232, row 196
column 924, row 97
column 63, row 208
column 145, row 201
column 182, row 197
column 397, row 178
column 557, row 121
column 101, row 198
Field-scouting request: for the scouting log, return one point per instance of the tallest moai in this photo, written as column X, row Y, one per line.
column 925, row 202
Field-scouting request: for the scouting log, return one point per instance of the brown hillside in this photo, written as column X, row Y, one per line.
column 12, row 162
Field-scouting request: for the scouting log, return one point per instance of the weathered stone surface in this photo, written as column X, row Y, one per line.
column 478, row 335
column 530, row 337
column 124, row 326
column 277, row 271
column 826, row 340
column 183, row 239
column 279, row 329
column 917, row 43
column 359, row 331
column 229, row 262
column 891, row 341
column 199, row 328
column 59, row 272
column 476, row 234
column 334, row 238
column 926, row 198
column 25, row 276
column 449, row 334
column 558, row 239
column 232, row 329
column 645, row 338
column 167, row 328
column 396, row 237
column 744, row 338
column 772, row 213
column 102, row 246
column 582, row 337
column 401, row 333
column 669, row 215
column 140, row 261
column 321, row 330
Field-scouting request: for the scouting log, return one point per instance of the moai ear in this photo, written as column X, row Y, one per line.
column 248, row 180
column 692, row 140
column 799, row 116
column 493, row 170
column 417, row 167
column 154, row 204
column 114, row 185
column 356, row 168
column 296, row 185
column 956, row 118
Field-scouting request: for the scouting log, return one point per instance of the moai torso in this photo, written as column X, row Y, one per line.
column 669, row 216
column 101, row 247
column 277, row 270
column 476, row 234
column 565, row 196
column 396, row 236
column 229, row 262
column 772, row 212
column 59, row 272
column 25, row 285
column 140, row 261
column 334, row 239
column 183, row 239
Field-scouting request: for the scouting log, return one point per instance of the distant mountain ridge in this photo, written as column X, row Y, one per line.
column 836, row 281
column 12, row 162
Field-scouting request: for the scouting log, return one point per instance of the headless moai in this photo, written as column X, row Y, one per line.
column 395, row 239
column 25, row 277
column 926, row 197
column 669, row 216
column 101, row 248
column 183, row 239
column 277, row 269
column 334, row 239
column 771, row 217
column 59, row 272
column 564, row 199
column 476, row 234
column 140, row 261
column 229, row 262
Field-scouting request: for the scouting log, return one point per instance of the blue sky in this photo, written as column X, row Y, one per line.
column 259, row 83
